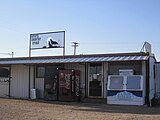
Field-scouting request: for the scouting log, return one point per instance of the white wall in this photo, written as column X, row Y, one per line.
column 151, row 78
column 39, row 85
column 144, row 79
column 31, row 77
column 20, row 81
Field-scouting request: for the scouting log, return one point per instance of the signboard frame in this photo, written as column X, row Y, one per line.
column 45, row 33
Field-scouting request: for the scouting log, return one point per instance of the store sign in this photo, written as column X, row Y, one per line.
column 47, row 40
column 125, row 96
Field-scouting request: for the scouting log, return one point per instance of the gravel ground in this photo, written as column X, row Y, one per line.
column 11, row 109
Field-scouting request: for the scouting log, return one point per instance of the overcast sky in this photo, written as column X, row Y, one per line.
column 100, row 26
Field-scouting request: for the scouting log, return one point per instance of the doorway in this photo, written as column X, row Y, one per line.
column 51, row 82
column 95, row 80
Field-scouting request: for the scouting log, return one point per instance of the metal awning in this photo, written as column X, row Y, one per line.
column 73, row 60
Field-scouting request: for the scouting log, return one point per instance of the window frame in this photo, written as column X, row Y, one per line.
column 38, row 67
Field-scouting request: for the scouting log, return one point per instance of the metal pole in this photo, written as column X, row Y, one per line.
column 12, row 54
column 30, row 46
column 9, row 91
column 64, row 46
column 29, row 81
column 75, row 45
column 75, row 50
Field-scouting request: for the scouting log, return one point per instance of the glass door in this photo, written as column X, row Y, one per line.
column 95, row 80
column 51, row 82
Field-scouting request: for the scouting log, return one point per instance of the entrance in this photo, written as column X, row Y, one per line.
column 51, row 82
column 95, row 80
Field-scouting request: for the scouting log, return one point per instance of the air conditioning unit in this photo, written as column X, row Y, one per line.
column 126, row 71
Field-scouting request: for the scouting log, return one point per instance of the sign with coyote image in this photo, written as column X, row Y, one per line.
column 47, row 40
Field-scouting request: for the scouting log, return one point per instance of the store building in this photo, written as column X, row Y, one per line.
column 122, row 78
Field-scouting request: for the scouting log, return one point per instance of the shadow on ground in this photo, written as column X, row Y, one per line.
column 94, row 107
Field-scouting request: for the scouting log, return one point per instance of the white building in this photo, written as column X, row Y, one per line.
column 122, row 78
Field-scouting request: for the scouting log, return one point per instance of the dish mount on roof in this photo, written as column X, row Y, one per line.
column 147, row 48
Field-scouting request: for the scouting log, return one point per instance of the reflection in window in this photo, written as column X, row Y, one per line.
column 40, row 71
column 134, row 82
column 95, row 68
column 95, row 82
column 95, row 72
column 116, row 82
column 4, row 72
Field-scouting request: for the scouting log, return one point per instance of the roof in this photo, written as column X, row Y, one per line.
column 76, row 59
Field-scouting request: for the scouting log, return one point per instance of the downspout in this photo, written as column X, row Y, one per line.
column 29, row 81
column 9, row 91
column 103, row 80
column 85, row 80
column 44, row 77
column 147, row 83
column 154, row 77
column 29, row 67
column 34, row 74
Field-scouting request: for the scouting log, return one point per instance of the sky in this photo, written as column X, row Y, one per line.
column 100, row 26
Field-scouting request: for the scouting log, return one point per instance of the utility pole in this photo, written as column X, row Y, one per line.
column 75, row 45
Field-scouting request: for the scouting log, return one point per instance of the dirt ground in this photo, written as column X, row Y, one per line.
column 11, row 109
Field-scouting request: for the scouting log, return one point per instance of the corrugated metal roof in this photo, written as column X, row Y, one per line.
column 74, row 60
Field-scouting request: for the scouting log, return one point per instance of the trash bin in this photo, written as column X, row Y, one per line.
column 33, row 94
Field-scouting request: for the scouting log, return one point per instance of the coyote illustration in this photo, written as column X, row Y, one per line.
column 52, row 44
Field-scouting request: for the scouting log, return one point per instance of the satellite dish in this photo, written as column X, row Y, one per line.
column 147, row 48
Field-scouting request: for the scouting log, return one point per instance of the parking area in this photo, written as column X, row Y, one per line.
column 51, row 110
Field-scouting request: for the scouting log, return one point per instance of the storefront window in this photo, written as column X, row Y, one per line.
column 4, row 72
column 40, row 71
column 95, row 68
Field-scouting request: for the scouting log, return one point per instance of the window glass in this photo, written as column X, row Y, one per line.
column 99, row 69
column 92, row 70
column 4, row 72
column 95, row 68
column 116, row 82
column 134, row 82
column 95, row 84
column 40, row 72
